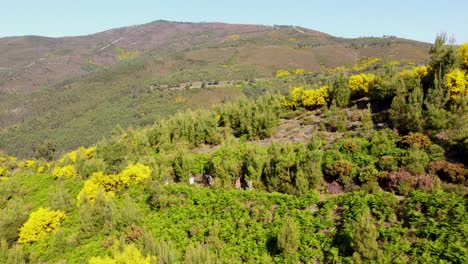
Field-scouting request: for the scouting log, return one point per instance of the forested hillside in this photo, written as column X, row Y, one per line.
column 361, row 164
column 73, row 91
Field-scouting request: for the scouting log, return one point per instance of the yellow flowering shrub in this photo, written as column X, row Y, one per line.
column 282, row 74
column 90, row 190
column 135, row 173
column 41, row 169
column 364, row 63
column 314, row 97
column 73, row 156
column 296, row 94
column 415, row 72
column 360, row 83
column 89, row 152
column 110, row 184
column 288, row 103
column 463, row 53
column 339, row 69
column 299, row 71
column 65, row 171
column 307, row 98
column 130, row 255
column 3, row 171
column 456, row 83
column 41, row 223
column 30, row 163
column 232, row 37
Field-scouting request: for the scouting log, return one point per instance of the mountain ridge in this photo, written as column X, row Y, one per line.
column 32, row 62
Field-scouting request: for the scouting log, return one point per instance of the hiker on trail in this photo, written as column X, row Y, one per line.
column 238, row 183
column 250, row 184
column 192, row 180
column 210, row 180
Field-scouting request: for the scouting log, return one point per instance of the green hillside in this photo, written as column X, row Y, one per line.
column 363, row 164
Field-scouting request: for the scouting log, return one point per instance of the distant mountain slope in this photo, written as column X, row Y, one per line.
column 31, row 62
column 75, row 90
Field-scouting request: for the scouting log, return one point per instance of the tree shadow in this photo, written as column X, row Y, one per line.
column 272, row 246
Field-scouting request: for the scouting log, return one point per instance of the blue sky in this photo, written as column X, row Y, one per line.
column 415, row 19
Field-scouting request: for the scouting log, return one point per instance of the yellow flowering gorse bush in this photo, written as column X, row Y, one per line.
column 415, row 72
column 360, row 83
column 134, row 174
column 110, row 184
column 282, row 74
column 130, row 255
column 456, row 83
column 315, row 97
column 65, row 171
column 463, row 53
column 307, row 98
column 41, row 223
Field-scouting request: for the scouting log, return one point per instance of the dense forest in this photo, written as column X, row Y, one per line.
column 364, row 164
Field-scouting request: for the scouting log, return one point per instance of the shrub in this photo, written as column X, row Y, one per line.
column 65, row 171
column 282, row 74
column 87, row 167
column 314, row 97
column 387, row 163
column 415, row 160
column 99, row 182
column 12, row 217
column 334, row 188
column 307, row 98
column 368, row 174
column 400, row 182
column 134, row 174
column 3, row 171
column 340, row 169
column 166, row 252
column 450, row 172
column 98, row 215
column 415, row 72
column 199, row 255
column 416, row 140
column 339, row 91
column 463, row 54
column 129, row 255
column 456, row 82
column 113, row 152
column 41, row 223
column 361, row 83
column 436, row 152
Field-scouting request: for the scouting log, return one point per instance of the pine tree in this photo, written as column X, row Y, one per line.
column 436, row 116
column 340, row 92
column 415, row 121
column 443, row 55
column 364, row 237
column 367, row 125
column 289, row 237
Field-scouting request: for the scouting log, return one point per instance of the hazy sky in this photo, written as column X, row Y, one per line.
column 415, row 19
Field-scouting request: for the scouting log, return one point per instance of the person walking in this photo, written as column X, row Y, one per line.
column 238, row 183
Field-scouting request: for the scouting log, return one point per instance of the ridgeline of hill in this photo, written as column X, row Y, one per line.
column 73, row 91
